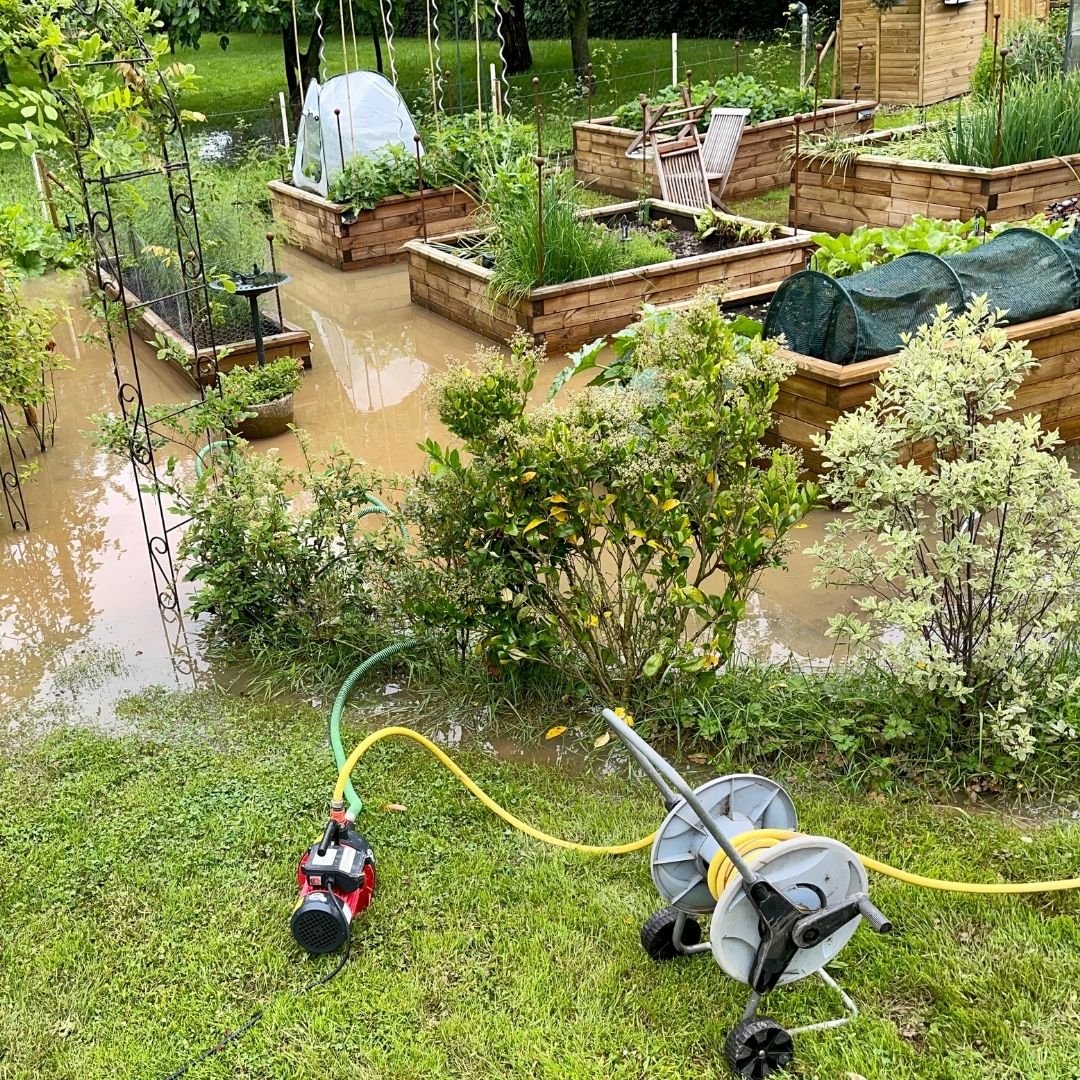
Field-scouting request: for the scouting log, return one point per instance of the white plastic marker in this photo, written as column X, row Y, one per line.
column 284, row 119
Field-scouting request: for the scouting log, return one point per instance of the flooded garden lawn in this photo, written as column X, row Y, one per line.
column 151, row 878
column 78, row 583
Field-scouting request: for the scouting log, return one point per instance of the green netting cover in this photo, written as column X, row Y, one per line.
column 1025, row 273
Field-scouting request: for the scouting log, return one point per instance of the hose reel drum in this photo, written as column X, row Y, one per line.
column 782, row 905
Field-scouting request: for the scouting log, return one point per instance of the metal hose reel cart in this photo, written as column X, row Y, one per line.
column 780, row 908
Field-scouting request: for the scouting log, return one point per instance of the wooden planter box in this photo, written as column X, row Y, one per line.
column 877, row 189
column 811, row 400
column 762, row 163
column 198, row 364
column 564, row 316
column 374, row 237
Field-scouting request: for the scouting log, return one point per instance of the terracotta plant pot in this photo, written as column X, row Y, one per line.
column 270, row 419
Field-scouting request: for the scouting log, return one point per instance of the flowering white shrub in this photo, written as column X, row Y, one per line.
column 964, row 534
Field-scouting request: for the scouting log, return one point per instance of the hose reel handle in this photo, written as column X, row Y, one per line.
column 874, row 916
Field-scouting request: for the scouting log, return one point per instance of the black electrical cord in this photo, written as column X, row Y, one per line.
column 256, row 1016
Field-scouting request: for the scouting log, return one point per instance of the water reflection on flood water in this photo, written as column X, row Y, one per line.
column 79, row 624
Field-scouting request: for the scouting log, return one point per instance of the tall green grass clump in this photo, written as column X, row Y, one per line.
column 1040, row 119
column 571, row 247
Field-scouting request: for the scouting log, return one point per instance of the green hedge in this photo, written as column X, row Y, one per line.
column 630, row 18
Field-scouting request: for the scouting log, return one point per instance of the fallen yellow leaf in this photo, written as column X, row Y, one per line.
column 396, row 807
column 601, row 740
column 554, row 732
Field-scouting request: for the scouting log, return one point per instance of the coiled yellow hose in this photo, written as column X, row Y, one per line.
column 720, row 869
column 747, row 843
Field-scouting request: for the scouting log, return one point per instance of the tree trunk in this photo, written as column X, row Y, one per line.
column 376, row 40
column 297, row 81
column 579, row 36
column 518, row 53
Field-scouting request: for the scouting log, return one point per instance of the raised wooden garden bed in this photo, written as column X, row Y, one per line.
column 564, row 316
column 811, row 400
column 762, row 163
column 278, row 341
column 330, row 233
column 877, row 189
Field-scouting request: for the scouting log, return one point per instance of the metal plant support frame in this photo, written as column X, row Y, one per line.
column 97, row 193
column 9, row 476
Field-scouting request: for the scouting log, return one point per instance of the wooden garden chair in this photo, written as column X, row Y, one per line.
column 720, row 146
column 681, row 171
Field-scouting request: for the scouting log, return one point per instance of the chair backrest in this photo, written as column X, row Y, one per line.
column 721, row 144
column 682, row 174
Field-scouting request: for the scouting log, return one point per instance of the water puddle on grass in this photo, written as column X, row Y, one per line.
column 79, row 622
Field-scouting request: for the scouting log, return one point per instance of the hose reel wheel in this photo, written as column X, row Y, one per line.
column 683, row 846
column 813, row 871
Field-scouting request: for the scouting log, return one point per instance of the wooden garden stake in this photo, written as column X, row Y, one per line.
column 837, row 60
column 539, row 116
column 589, row 88
column 539, row 220
column 877, row 60
column 643, row 101
column 817, row 78
column 420, row 180
column 1000, row 109
column 689, row 81
column 737, row 46
column 858, row 70
column 993, row 55
column 795, row 174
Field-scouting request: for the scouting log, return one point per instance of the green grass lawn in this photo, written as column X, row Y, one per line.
column 148, row 882
column 245, row 78
column 240, row 85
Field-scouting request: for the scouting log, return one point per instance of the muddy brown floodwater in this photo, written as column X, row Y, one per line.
column 79, row 623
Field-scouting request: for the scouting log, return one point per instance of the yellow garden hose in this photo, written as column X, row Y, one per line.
column 720, row 869
column 475, row 789
column 747, row 843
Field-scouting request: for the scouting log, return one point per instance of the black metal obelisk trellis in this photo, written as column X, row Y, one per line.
column 163, row 174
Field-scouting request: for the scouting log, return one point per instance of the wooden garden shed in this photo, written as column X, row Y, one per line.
column 919, row 52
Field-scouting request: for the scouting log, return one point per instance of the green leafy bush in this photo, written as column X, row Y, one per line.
column 257, row 385
column 32, row 245
column 27, row 355
column 279, row 556
column 1039, row 120
column 967, row 562
column 1036, row 51
column 461, row 151
column 625, row 530
column 869, row 246
column 765, row 101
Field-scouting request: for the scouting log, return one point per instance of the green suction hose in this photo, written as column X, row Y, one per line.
column 340, row 757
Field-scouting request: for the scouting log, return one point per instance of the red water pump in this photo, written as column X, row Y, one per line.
column 337, row 880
